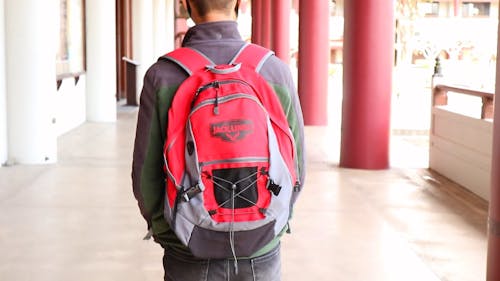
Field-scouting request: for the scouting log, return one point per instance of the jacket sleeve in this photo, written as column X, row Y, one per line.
column 147, row 166
column 279, row 76
column 148, row 176
column 296, row 122
column 141, row 140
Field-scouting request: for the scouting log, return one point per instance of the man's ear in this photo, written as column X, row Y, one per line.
column 237, row 8
column 186, row 5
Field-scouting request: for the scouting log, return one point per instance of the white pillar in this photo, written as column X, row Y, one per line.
column 31, row 80
column 101, row 60
column 143, row 22
column 170, row 24
column 3, row 96
column 160, row 27
column 164, row 19
column 164, row 14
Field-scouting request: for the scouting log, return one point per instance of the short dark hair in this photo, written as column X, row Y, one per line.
column 205, row 6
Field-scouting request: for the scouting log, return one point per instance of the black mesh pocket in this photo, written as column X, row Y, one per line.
column 238, row 182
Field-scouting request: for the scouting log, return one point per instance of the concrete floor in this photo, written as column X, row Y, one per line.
column 77, row 220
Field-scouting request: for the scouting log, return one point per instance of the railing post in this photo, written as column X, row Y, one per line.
column 439, row 96
column 131, row 84
column 487, row 111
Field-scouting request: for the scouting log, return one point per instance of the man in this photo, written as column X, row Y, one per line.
column 217, row 37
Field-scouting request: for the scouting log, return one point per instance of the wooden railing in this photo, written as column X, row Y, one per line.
column 440, row 98
column 461, row 145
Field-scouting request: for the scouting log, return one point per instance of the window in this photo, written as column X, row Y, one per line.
column 429, row 8
column 474, row 9
column 70, row 58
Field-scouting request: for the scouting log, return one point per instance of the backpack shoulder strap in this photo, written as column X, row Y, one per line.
column 252, row 55
column 188, row 59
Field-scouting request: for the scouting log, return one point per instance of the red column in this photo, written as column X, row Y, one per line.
column 493, row 270
column 257, row 21
column 314, row 58
column 281, row 27
column 266, row 30
column 368, row 59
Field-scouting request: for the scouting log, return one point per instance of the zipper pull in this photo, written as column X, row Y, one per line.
column 200, row 89
column 216, row 103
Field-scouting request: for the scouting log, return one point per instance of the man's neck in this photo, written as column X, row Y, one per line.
column 214, row 16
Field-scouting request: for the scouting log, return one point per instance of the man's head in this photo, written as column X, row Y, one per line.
column 212, row 10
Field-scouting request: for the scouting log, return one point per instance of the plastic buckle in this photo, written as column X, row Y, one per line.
column 191, row 192
column 274, row 188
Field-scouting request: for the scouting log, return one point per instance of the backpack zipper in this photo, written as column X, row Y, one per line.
column 218, row 100
column 216, row 84
column 216, row 103
column 235, row 160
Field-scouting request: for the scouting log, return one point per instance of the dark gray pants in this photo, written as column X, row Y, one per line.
column 182, row 268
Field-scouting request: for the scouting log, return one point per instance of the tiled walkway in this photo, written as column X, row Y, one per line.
column 77, row 220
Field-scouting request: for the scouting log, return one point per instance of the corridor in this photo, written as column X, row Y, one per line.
column 77, row 219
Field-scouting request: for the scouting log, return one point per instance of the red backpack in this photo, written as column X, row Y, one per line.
column 229, row 156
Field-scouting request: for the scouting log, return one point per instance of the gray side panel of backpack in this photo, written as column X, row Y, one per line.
column 279, row 173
